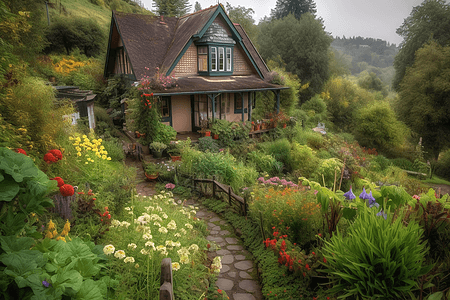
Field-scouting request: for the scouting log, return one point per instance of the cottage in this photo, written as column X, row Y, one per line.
column 217, row 68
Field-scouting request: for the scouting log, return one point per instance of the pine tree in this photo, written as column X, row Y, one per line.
column 172, row 8
column 295, row 7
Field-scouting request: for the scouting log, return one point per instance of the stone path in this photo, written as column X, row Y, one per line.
column 238, row 275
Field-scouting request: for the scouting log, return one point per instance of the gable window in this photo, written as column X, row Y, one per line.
column 202, row 52
column 228, row 59
column 221, row 59
column 213, row 59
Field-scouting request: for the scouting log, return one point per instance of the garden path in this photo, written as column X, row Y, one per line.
column 238, row 276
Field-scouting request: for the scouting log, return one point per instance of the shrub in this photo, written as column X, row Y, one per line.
column 303, row 160
column 207, row 144
column 328, row 172
column 115, row 149
column 381, row 162
column 280, row 149
column 403, row 163
column 378, row 259
column 264, row 163
column 164, row 133
column 443, row 165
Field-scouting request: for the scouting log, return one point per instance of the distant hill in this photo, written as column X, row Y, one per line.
column 367, row 54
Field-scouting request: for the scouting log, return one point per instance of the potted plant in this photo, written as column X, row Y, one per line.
column 174, row 151
column 151, row 171
column 158, row 149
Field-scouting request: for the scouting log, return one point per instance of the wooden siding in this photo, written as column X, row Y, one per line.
column 187, row 64
column 181, row 113
column 242, row 65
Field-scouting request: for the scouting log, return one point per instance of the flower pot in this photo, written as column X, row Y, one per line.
column 175, row 158
column 151, row 176
column 258, row 127
column 207, row 133
column 216, row 136
column 157, row 154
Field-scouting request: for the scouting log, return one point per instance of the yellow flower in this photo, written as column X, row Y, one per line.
column 49, row 235
column 119, row 254
column 108, row 249
column 175, row 266
column 86, row 163
column 61, row 238
column 50, row 225
column 102, row 147
column 109, row 158
column 66, row 228
column 70, row 138
column 84, row 136
column 103, row 156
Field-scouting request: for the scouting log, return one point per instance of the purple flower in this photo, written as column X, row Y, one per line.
column 46, row 283
column 261, row 179
column 372, row 201
column 382, row 213
column 349, row 195
column 364, row 195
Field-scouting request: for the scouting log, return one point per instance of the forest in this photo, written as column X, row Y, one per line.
column 346, row 195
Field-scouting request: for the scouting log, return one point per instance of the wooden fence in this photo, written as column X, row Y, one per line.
column 233, row 199
column 166, row 289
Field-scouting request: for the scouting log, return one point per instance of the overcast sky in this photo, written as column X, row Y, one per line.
column 366, row 18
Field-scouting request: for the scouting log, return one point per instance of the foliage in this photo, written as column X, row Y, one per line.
column 292, row 210
column 158, row 146
column 343, row 99
column 66, row 34
column 304, row 161
column 378, row 258
column 172, row 8
column 421, row 103
column 280, row 150
column 316, row 110
column 151, row 229
column 429, row 20
column 264, row 163
column 53, row 269
column 164, row 133
column 329, row 172
column 379, row 128
column 244, row 17
column 118, row 88
column 295, row 7
column 30, row 106
column 24, row 191
column 207, row 144
column 142, row 117
column 302, row 45
column 442, row 167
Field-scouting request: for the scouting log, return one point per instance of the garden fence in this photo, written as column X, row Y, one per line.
column 233, row 199
column 166, row 289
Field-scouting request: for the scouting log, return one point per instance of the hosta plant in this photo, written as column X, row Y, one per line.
column 378, row 259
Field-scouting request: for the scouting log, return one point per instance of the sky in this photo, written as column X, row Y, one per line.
column 377, row 19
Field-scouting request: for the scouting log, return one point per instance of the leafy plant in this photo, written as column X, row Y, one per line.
column 207, row 144
column 379, row 258
column 158, row 146
column 24, row 191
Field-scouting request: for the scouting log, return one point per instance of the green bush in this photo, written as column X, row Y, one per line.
column 207, row 144
column 403, row 163
column 442, row 167
column 264, row 163
column 303, row 160
column 115, row 149
column 381, row 162
column 377, row 259
column 280, row 149
column 164, row 133
column 328, row 172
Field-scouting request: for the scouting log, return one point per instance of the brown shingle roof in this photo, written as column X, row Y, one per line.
column 214, row 84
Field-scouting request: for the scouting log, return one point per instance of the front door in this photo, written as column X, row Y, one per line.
column 166, row 110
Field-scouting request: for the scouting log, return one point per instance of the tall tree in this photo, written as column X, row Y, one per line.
column 424, row 97
column 302, row 45
column 296, row 7
column 197, row 6
column 172, row 8
column 430, row 20
column 244, row 17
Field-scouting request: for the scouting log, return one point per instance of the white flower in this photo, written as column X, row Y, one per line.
column 129, row 259
column 160, row 248
column 158, row 208
column 184, row 259
column 189, row 226
column 193, row 247
column 157, row 224
column 183, row 252
column 119, row 254
column 147, row 236
column 172, row 225
column 177, row 234
column 144, row 251
column 127, row 208
column 108, row 249
column 150, row 244
column 115, row 223
column 162, row 230
column 132, row 245
column 164, row 216
column 183, row 231
column 175, row 266
column 125, row 223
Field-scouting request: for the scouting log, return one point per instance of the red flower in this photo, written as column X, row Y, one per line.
column 208, row 246
column 313, row 253
column 66, row 190
column 220, row 291
column 49, row 158
column 324, row 260
column 59, row 180
column 20, row 150
column 56, row 153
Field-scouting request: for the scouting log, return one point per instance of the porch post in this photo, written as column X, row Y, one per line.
column 278, row 101
column 250, row 106
column 243, row 107
column 213, row 97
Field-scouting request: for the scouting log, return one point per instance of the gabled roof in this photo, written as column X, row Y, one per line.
column 152, row 42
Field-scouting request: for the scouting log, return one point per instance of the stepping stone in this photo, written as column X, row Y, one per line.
column 245, row 275
column 224, row 269
column 224, row 284
column 222, row 244
column 235, row 247
column 211, row 224
column 215, row 219
column 223, row 252
column 200, row 214
column 243, row 297
column 217, row 228
column 214, row 232
column 227, row 259
column 244, row 265
column 232, row 274
column 216, row 239
column 249, row 285
column 223, row 222
column 224, row 232
column 231, row 240
column 239, row 257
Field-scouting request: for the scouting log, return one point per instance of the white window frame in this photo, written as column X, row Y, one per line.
column 221, row 59
column 213, row 59
column 228, row 58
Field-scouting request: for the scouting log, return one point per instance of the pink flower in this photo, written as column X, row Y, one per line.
column 170, row 186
